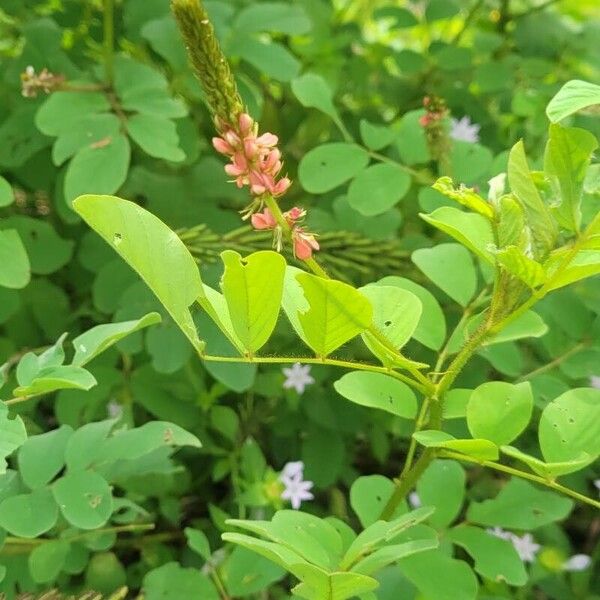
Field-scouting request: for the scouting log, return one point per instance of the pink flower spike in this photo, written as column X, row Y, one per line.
column 221, row 146
column 268, row 140
column 263, row 220
column 246, row 123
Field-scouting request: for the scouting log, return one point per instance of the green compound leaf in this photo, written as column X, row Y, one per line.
column 396, row 314
column 520, row 505
column 156, row 136
column 101, row 168
column 499, row 411
column 253, row 288
column 478, row 448
column 47, row 560
column 566, row 160
column 15, row 270
column 451, row 268
column 90, row 344
column 153, row 250
column 62, row 377
column 472, row 230
column 29, row 515
column 42, row 456
column 328, row 166
column 377, row 189
column 570, row 426
column 337, row 312
column 377, row 390
column 84, row 498
column 495, row 559
column 572, row 97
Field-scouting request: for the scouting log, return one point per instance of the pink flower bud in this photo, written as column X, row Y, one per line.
column 263, row 220
column 304, row 244
column 232, row 139
column 281, row 187
column 272, row 162
column 251, row 148
column 294, row 214
column 246, row 124
column 268, row 140
column 234, row 170
column 221, row 146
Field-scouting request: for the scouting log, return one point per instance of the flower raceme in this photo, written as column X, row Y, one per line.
column 255, row 160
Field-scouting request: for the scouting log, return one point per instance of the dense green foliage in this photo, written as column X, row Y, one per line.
column 457, row 342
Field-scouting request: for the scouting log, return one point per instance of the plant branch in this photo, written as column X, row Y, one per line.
column 522, row 474
column 554, row 363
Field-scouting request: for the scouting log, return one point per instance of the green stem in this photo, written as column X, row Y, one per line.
column 311, row 360
column 109, row 40
column 554, row 363
column 422, row 178
column 522, row 474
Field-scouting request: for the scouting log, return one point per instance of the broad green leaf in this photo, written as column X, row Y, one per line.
column 478, row 448
column 317, row 584
column 57, row 114
column 520, row 505
column 84, row 498
column 586, row 263
column 470, row 161
column 391, row 554
column 63, row 377
column 272, row 59
column 436, row 575
column 431, row 329
column 396, row 314
column 171, row 581
column 328, row 166
column 572, row 97
column 517, row 263
column 47, row 251
column 101, row 168
column 47, row 560
column 312, row 91
column 376, row 136
column 273, row 16
column 14, row 263
column 511, row 228
column 570, row 426
column 369, row 495
column 12, row 434
column 198, row 542
column 451, row 268
column 87, row 131
column 377, row 390
column 455, row 403
column 530, row 324
column 7, row 195
column 156, row 136
column 567, row 157
column 411, row 140
column 29, row 515
column 153, row 250
column 85, row 444
column 442, row 485
column 549, row 470
column 499, row 411
column 244, row 573
column 378, row 188
column 495, row 559
column 470, row 229
column 253, row 288
column 42, row 456
column 465, row 196
column 543, row 228
column 168, row 347
column 337, row 313
column 216, row 307
column 93, row 342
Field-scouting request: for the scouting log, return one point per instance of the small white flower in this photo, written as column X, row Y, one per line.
column 30, row 71
column 497, row 186
column 114, row 409
column 292, row 470
column 595, row 381
column 597, row 484
column 463, row 130
column 577, row 562
column 296, row 489
column 525, row 546
column 297, row 377
column 500, row 533
column 414, row 500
